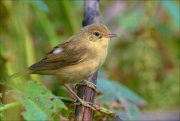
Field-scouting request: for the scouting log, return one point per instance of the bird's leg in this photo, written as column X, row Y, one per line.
column 86, row 83
column 82, row 102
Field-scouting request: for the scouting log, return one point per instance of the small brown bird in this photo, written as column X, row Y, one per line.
column 78, row 57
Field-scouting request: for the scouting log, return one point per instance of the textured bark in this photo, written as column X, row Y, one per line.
column 91, row 15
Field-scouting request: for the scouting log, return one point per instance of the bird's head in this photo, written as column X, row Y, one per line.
column 97, row 32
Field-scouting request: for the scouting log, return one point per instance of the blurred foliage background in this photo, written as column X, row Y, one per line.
column 144, row 58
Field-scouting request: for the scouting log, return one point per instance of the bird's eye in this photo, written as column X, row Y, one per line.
column 96, row 33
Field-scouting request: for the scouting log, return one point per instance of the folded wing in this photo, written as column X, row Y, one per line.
column 66, row 54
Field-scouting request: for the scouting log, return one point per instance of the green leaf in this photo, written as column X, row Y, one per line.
column 116, row 91
column 39, row 102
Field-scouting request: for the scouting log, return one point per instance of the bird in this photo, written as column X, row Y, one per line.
column 77, row 58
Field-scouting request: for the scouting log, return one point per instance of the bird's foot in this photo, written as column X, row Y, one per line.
column 86, row 83
column 85, row 103
column 80, row 101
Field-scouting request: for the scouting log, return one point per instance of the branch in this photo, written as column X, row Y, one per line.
column 91, row 15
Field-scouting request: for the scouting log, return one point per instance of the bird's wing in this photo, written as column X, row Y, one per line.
column 66, row 54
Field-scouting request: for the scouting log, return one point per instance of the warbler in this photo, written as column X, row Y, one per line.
column 77, row 58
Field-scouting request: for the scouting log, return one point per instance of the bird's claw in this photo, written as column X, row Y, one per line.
column 86, row 83
column 86, row 104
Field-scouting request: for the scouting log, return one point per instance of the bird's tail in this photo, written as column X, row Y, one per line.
column 21, row 73
column 8, row 79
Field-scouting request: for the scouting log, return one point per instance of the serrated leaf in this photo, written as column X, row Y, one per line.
column 117, row 91
column 39, row 102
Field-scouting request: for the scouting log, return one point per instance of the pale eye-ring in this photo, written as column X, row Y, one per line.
column 96, row 34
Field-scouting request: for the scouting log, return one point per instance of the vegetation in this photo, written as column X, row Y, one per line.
column 141, row 72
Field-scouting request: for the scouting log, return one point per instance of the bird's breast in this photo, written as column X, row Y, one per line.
column 78, row 71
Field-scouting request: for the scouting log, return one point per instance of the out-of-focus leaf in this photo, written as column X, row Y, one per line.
column 39, row 102
column 131, row 113
column 47, row 27
column 131, row 20
column 123, row 115
column 116, row 91
column 68, row 14
column 41, row 5
column 173, row 9
column 132, row 110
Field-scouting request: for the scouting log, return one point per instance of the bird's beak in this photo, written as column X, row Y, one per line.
column 113, row 35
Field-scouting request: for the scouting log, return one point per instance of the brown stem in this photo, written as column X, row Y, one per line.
column 91, row 15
